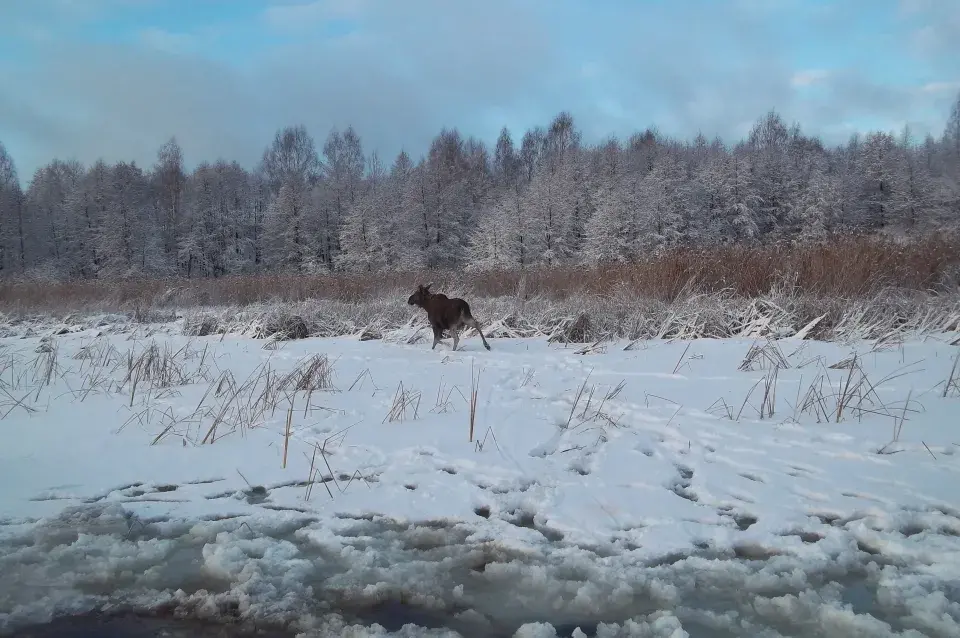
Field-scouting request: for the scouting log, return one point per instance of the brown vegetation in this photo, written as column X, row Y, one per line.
column 849, row 267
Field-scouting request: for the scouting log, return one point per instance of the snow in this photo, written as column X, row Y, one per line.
column 647, row 491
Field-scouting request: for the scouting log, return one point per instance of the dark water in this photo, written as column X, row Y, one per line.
column 716, row 593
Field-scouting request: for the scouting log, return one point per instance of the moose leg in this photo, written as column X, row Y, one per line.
column 473, row 323
column 437, row 333
column 456, row 337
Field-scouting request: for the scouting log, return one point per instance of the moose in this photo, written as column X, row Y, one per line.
column 445, row 314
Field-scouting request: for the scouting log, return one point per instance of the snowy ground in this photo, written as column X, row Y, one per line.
column 701, row 488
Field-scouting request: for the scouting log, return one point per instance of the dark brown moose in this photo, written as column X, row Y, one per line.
column 444, row 313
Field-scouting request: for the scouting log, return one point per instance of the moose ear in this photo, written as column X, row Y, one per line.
column 427, row 287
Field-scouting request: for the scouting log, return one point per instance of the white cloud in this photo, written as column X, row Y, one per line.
column 413, row 67
column 305, row 15
column 166, row 41
column 910, row 7
column 941, row 87
column 935, row 36
column 808, row 77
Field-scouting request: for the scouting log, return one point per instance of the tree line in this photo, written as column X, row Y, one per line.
column 545, row 199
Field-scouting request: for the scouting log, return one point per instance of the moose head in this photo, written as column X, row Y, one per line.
column 420, row 297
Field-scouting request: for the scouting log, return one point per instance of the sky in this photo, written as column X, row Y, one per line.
column 115, row 79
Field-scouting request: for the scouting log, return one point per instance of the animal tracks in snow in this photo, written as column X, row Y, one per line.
column 656, row 452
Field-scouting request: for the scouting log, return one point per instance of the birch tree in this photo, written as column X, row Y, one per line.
column 343, row 173
column 169, row 183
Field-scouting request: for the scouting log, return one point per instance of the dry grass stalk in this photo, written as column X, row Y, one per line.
column 649, row 395
column 46, row 365
column 311, row 473
column 593, row 348
column 13, row 403
column 768, row 403
column 162, row 369
column 622, row 314
column 356, row 474
column 855, row 395
column 313, row 373
column 680, row 360
column 746, row 399
column 286, row 434
column 337, row 437
column 576, row 401
column 403, row 400
column 162, row 434
column 478, row 447
column 527, row 377
column 897, row 429
column 761, row 357
column 361, row 379
column 815, row 400
column 442, row 403
column 598, row 412
column 845, row 364
column 847, row 267
column 723, row 406
column 952, row 385
column 592, row 412
column 898, row 426
column 474, row 392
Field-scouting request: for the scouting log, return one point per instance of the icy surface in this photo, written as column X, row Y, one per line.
column 704, row 488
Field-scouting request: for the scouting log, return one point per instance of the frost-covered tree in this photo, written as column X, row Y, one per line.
column 362, row 233
column 531, row 152
column 742, row 206
column 292, row 169
column 50, row 222
column 951, row 133
column 291, row 159
column 880, row 187
column 169, row 183
column 548, row 203
column 287, row 239
column 12, row 247
column 198, row 251
column 339, row 191
column 818, row 206
column 551, row 202
column 506, row 163
column 915, row 199
column 400, row 248
column 216, row 232
column 127, row 241
column 493, row 243
column 256, row 235
column 542, row 198
column 440, row 193
column 768, row 145
column 662, row 205
column 501, row 238
column 612, row 232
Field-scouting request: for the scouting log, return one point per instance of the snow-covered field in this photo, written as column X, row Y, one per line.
column 660, row 488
